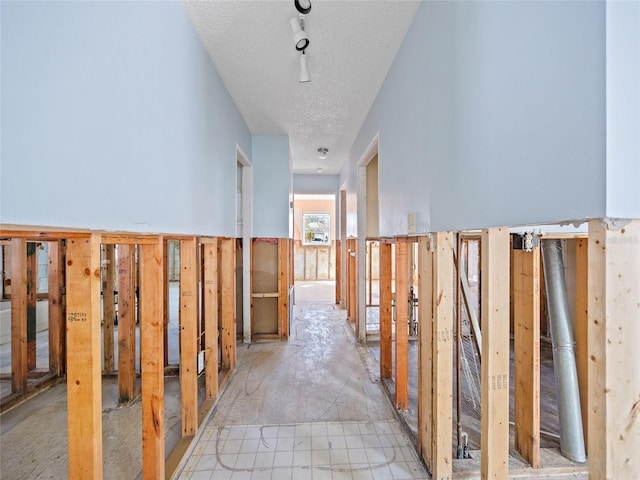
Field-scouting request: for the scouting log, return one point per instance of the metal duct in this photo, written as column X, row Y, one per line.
column 564, row 360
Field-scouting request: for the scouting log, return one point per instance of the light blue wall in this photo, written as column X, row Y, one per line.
column 271, row 186
column 114, row 117
column 315, row 184
column 493, row 113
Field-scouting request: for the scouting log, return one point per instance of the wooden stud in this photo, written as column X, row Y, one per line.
column 443, row 308
column 126, row 325
column 57, row 327
column 18, row 267
column 108, row 306
column 494, row 434
column 283, row 288
column 228, row 302
column 210, row 313
column 581, row 325
column 32, row 291
column 526, row 312
column 352, row 308
column 425, row 351
column 614, row 356
column 402, row 329
column 152, row 359
column 189, row 336
column 338, row 272
column 386, row 300
column 84, row 387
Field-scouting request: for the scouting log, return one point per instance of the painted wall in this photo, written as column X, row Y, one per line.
column 302, row 206
column 623, row 109
column 271, row 186
column 114, row 117
column 315, row 184
column 491, row 114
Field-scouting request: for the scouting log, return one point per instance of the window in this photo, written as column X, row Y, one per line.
column 317, row 229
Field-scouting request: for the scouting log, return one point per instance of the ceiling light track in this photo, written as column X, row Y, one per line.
column 300, row 38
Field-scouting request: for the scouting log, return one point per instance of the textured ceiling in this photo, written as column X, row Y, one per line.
column 352, row 45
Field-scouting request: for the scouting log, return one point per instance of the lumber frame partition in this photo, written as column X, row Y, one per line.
column 526, row 308
column 402, row 328
column 386, row 330
column 108, row 306
column 57, row 323
column 228, row 302
column 614, row 356
column 494, row 433
column 126, row 324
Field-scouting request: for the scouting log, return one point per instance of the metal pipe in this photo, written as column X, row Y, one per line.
column 564, row 360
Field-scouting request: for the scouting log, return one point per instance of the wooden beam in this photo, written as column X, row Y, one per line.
column 152, row 359
column 189, row 336
column 165, row 299
column 443, row 308
column 494, row 434
column 36, row 233
column 18, row 268
column 614, row 335
column 32, row 290
column 526, row 312
column 110, row 238
column 425, row 350
column 283, row 288
column 402, row 328
column 386, row 321
column 57, row 326
column 210, row 313
column 582, row 346
column 108, row 306
column 338, row 274
column 228, row 302
column 84, row 388
column 353, row 292
column 126, row 324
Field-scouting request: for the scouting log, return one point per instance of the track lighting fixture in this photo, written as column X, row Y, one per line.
column 299, row 37
column 304, row 73
column 303, row 6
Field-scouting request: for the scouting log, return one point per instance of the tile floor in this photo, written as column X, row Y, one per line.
column 319, row 450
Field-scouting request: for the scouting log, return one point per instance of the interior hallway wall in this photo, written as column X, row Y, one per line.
column 492, row 114
column 115, row 115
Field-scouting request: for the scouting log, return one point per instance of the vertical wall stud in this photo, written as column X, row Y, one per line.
column 283, row 288
column 338, row 274
column 32, row 290
column 228, row 302
column 57, row 327
column 108, row 306
column 386, row 339
column 126, row 324
column 582, row 352
column 210, row 312
column 18, row 315
column 402, row 328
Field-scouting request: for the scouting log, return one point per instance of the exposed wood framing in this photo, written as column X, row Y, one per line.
column 494, row 434
column 443, row 308
column 189, row 336
column 227, row 269
column 352, row 271
column 57, row 327
column 108, row 306
column 402, row 329
column 614, row 336
column 18, row 315
column 581, row 326
column 126, row 324
column 386, row 336
column 152, row 359
column 84, row 393
column 338, row 272
column 526, row 312
column 210, row 314
column 425, row 351
column 283, row 288
column 32, row 290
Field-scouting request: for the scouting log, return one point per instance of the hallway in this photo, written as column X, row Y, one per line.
column 310, row 408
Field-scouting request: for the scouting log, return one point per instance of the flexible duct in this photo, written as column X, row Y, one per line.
column 564, row 360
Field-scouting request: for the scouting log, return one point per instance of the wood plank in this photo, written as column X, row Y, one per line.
column 494, row 434
column 386, row 334
column 613, row 337
column 352, row 306
column 32, row 289
column 581, row 327
column 402, row 329
column 152, row 281
column 57, row 326
column 189, row 336
column 283, row 288
column 443, row 308
column 84, row 392
column 108, row 306
column 210, row 313
column 338, row 257
column 111, row 238
column 526, row 311
column 126, row 325
column 18, row 269
column 38, row 233
column 425, row 350
column 228, row 302
column 266, row 295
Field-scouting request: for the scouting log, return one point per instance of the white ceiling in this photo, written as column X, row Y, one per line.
column 352, row 45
